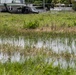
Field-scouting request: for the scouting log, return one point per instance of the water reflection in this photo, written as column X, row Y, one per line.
column 64, row 63
column 17, row 57
column 57, row 44
column 13, row 41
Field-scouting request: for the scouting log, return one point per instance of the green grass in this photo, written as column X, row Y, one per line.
column 35, row 66
column 17, row 23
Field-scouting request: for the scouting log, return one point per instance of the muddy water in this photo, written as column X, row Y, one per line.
column 57, row 44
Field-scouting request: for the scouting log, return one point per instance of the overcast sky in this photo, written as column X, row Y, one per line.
column 9, row 1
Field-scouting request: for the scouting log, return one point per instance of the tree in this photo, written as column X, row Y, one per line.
column 48, row 4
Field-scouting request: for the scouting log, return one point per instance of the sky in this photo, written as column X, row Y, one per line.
column 9, row 1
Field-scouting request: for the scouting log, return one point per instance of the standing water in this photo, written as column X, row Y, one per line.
column 58, row 45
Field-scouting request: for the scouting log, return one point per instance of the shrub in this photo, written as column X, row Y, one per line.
column 74, row 23
column 38, row 3
column 31, row 24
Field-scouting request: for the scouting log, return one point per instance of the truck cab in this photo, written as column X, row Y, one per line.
column 16, row 6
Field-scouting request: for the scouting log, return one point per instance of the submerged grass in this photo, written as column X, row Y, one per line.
column 33, row 51
column 36, row 66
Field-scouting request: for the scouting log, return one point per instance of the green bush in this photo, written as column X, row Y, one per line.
column 31, row 24
column 74, row 5
column 38, row 3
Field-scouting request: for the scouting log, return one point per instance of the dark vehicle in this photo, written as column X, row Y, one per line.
column 17, row 6
column 29, row 9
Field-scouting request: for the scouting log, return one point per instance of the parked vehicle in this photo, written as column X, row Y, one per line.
column 16, row 6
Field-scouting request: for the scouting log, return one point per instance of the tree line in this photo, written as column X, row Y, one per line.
column 51, row 1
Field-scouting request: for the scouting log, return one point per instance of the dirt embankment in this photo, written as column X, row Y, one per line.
column 52, row 29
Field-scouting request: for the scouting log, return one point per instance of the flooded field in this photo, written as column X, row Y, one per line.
column 43, row 45
column 57, row 44
column 59, row 50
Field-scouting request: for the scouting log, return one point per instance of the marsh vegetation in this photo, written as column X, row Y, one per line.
column 38, row 44
column 45, row 22
column 45, row 54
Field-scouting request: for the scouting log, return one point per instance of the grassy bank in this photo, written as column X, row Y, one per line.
column 17, row 24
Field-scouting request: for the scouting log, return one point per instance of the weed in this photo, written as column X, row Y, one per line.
column 31, row 25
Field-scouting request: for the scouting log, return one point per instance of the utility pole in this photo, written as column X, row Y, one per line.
column 44, row 4
column 24, row 1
